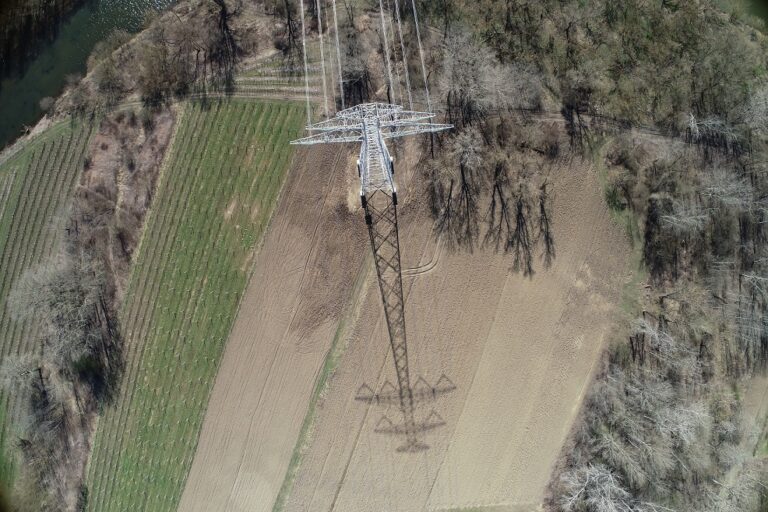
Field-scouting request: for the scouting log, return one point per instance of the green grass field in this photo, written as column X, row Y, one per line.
column 6, row 470
column 35, row 184
column 215, row 195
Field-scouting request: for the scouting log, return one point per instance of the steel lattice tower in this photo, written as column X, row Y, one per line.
column 371, row 124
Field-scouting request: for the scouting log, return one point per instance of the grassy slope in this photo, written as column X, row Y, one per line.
column 214, row 199
column 34, row 185
column 6, row 471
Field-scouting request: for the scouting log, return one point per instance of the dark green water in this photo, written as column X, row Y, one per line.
column 20, row 96
column 760, row 8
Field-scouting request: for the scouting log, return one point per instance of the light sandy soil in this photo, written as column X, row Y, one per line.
column 302, row 278
column 521, row 352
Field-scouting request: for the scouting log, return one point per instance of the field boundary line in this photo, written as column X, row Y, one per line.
column 251, row 271
column 181, row 112
column 14, row 149
column 488, row 507
column 352, row 310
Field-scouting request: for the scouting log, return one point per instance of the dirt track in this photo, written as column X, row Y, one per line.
column 520, row 351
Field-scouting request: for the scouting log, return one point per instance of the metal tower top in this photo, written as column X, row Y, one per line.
column 371, row 124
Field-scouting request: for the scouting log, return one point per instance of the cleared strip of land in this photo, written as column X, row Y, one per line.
column 35, row 184
column 214, row 199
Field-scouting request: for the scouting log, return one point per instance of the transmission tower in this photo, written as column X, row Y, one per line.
column 371, row 124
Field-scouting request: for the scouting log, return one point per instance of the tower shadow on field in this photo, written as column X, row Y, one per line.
column 417, row 398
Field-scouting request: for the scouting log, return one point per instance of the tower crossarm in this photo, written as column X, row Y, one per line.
column 353, row 132
column 391, row 120
column 330, row 137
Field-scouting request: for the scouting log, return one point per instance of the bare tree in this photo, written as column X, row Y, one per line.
column 594, row 488
column 746, row 492
column 499, row 219
column 520, row 241
column 756, row 112
column 545, row 225
column 749, row 314
column 473, row 83
column 459, row 215
column 109, row 82
column 18, row 373
column 686, row 218
column 63, row 297
column 728, row 190
column 223, row 49
column 357, row 77
column 288, row 37
column 712, row 133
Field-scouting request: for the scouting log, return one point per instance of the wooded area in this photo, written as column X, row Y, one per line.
column 673, row 100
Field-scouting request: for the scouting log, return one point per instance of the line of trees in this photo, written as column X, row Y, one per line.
column 71, row 300
column 662, row 428
column 487, row 178
column 180, row 53
column 65, row 380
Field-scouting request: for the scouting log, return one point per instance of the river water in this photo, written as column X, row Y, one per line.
column 46, row 75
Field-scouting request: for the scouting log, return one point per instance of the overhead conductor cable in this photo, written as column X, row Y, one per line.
column 399, row 90
column 306, row 74
column 386, row 51
column 405, row 57
column 421, row 55
column 322, row 56
column 338, row 56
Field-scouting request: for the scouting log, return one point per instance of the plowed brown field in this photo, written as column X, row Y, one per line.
column 521, row 352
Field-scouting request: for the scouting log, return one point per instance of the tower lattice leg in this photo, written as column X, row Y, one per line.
column 381, row 218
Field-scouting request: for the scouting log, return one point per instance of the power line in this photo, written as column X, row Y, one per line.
column 338, row 55
column 306, row 74
column 386, row 51
column 421, row 55
column 405, row 56
column 322, row 56
column 399, row 90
